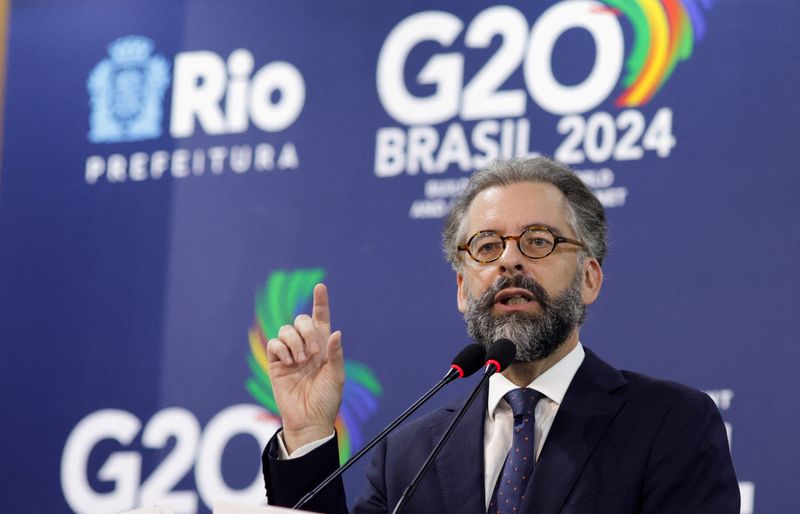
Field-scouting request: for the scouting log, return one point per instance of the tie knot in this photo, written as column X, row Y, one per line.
column 523, row 401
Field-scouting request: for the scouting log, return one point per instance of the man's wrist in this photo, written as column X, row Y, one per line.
column 284, row 454
column 297, row 438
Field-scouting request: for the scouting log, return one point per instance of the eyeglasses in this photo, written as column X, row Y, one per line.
column 536, row 242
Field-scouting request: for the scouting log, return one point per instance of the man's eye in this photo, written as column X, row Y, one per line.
column 488, row 247
column 538, row 242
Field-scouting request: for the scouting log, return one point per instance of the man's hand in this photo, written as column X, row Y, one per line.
column 306, row 368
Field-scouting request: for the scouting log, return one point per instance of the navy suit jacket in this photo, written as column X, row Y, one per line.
column 620, row 443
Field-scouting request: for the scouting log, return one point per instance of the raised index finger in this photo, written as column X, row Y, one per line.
column 321, row 312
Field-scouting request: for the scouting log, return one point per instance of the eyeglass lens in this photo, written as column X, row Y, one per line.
column 488, row 246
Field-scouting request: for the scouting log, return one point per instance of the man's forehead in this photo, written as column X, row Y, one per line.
column 517, row 206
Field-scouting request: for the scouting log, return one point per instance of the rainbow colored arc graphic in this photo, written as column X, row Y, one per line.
column 665, row 32
column 286, row 294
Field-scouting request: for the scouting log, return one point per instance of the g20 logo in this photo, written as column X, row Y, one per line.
column 194, row 448
column 487, row 112
column 480, row 97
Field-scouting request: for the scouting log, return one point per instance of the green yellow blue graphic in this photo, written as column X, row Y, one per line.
column 664, row 33
column 284, row 295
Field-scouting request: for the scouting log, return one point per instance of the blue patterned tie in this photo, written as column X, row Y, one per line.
column 509, row 491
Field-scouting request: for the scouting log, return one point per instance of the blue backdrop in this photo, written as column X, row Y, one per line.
column 177, row 175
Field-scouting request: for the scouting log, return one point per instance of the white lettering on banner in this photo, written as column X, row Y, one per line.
column 181, row 425
column 606, row 32
column 601, row 181
column 612, row 196
column 443, row 188
column 218, row 97
column 433, row 209
column 443, row 71
column 747, row 490
column 596, row 178
column 440, row 192
column 182, row 163
column 451, row 120
column 123, row 469
column 722, row 398
column 272, row 99
column 419, row 148
column 596, row 138
column 237, row 419
column 480, row 98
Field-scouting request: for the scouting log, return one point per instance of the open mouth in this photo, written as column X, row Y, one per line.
column 514, row 296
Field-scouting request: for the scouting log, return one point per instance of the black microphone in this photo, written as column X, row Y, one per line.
column 468, row 361
column 500, row 355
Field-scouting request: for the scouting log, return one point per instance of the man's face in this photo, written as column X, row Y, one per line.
column 540, row 300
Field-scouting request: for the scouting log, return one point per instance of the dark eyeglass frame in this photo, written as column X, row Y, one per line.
column 556, row 241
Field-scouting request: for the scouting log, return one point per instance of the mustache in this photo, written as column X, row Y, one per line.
column 486, row 300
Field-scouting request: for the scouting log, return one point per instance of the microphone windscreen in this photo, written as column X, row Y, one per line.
column 502, row 352
column 470, row 359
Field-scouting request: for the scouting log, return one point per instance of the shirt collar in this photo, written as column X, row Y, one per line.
column 553, row 383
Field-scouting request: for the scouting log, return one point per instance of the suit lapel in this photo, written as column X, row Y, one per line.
column 460, row 464
column 581, row 420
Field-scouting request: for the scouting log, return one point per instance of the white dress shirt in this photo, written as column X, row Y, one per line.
column 499, row 423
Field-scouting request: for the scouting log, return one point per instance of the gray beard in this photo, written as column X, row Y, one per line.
column 536, row 336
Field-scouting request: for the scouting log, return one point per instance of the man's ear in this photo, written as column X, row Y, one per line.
column 592, row 280
column 462, row 293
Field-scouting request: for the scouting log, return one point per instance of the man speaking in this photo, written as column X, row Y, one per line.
column 559, row 431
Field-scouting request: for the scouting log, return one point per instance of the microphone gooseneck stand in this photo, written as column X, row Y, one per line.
column 467, row 362
column 500, row 355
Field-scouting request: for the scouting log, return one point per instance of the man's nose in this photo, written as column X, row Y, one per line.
column 512, row 259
